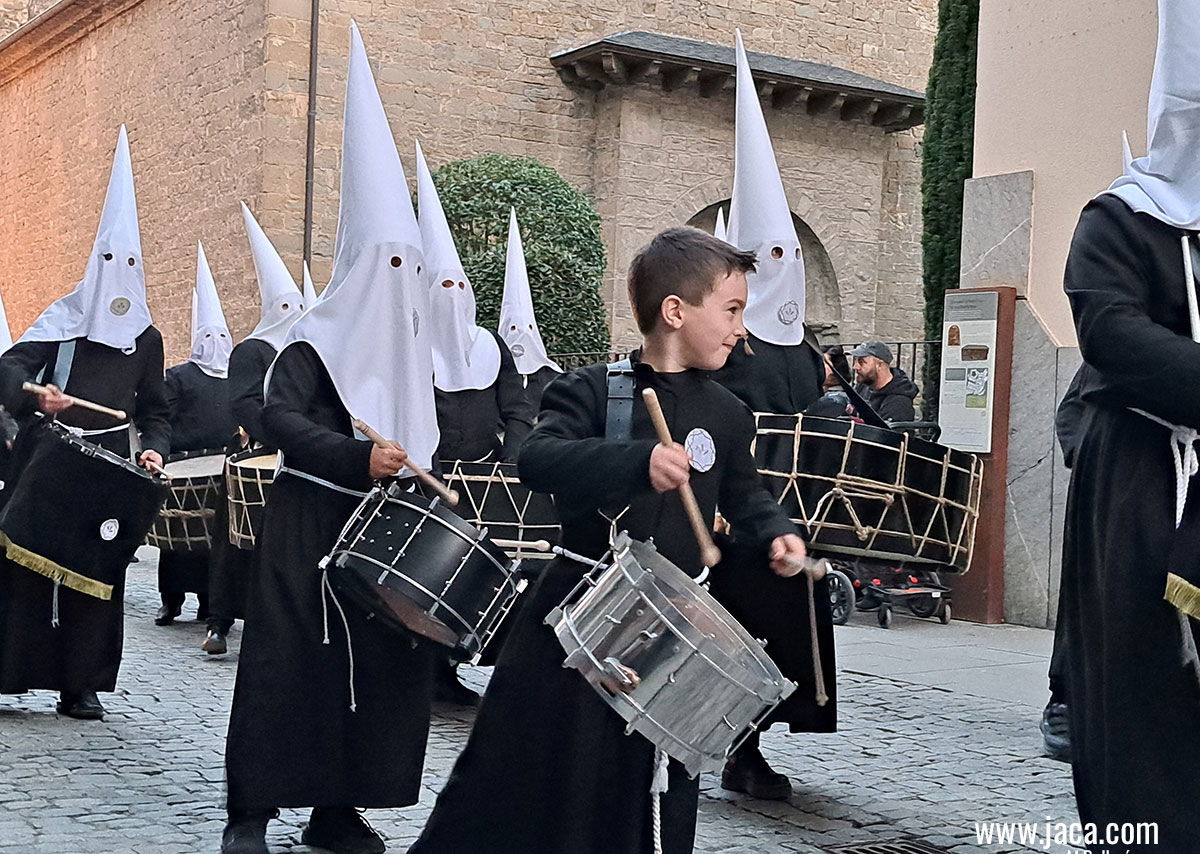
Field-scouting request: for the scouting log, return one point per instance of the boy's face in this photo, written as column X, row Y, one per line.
column 710, row 330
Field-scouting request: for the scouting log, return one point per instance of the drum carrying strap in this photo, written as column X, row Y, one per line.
column 618, row 421
column 865, row 411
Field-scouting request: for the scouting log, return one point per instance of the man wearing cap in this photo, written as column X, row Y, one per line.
column 889, row 390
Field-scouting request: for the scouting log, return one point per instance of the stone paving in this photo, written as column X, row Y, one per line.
column 914, row 759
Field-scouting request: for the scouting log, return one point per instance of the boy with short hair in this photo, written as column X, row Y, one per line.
column 548, row 767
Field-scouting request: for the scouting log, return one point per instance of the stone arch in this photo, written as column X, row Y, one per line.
column 823, row 299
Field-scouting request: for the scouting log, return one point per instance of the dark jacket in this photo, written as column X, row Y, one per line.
column 893, row 402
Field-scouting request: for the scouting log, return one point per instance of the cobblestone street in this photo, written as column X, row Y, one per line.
column 938, row 732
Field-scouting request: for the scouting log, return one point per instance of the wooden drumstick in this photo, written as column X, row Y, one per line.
column 447, row 495
column 157, row 469
column 118, row 414
column 533, row 546
column 709, row 552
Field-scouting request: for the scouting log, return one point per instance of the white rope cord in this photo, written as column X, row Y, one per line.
column 659, row 784
column 54, row 606
column 1183, row 452
column 327, row 589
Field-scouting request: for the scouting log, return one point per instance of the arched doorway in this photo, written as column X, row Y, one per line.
column 823, row 305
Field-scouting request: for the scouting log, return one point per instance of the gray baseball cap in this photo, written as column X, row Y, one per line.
column 877, row 349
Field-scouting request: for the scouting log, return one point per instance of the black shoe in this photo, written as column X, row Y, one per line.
column 215, row 643
column 246, row 833
column 747, row 771
column 447, row 688
column 343, row 831
column 1056, row 731
column 202, row 608
column 166, row 614
column 84, row 706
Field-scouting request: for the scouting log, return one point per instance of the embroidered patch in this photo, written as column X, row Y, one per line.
column 518, row 350
column 789, row 313
column 119, row 306
column 701, row 448
column 109, row 529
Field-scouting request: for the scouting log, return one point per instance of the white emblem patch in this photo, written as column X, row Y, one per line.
column 701, row 448
column 789, row 313
column 109, row 529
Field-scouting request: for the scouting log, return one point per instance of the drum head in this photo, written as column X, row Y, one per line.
column 254, row 460
column 208, row 466
column 395, row 609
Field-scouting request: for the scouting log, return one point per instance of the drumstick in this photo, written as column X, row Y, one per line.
column 118, row 414
column 447, row 495
column 157, row 469
column 709, row 552
column 533, row 546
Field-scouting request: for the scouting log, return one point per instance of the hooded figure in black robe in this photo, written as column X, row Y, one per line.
column 201, row 422
column 774, row 371
column 96, row 343
column 331, row 706
column 1130, row 595
column 548, row 767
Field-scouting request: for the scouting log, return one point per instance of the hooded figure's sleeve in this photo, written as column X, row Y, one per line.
column 152, row 413
column 22, row 363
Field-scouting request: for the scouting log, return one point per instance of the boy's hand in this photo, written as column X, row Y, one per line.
column 149, row 458
column 387, row 461
column 669, row 467
column 787, row 555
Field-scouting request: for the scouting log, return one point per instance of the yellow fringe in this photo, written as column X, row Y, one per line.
column 1183, row 595
column 50, row 569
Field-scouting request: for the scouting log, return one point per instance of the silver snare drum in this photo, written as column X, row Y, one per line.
column 667, row 657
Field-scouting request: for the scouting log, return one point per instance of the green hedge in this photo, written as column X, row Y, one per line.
column 948, row 151
column 561, row 233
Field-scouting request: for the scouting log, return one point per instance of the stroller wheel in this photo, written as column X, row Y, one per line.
column 885, row 615
column 923, row 605
column 841, row 596
column 944, row 616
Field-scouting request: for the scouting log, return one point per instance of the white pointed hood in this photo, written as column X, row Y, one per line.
column 1166, row 182
column 465, row 356
column 280, row 299
column 760, row 221
column 6, row 339
column 719, row 230
column 371, row 325
column 310, row 289
column 109, row 305
column 518, row 326
column 211, row 341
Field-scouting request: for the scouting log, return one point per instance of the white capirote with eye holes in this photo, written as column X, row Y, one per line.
column 465, row 356
column 368, row 324
column 211, row 341
column 760, row 221
column 280, row 300
column 518, row 326
column 109, row 305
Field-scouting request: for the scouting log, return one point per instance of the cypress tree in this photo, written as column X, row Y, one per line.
column 947, row 153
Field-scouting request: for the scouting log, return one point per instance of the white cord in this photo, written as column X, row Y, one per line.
column 327, row 588
column 54, row 605
column 659, row 783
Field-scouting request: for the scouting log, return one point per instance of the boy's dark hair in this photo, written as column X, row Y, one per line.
column 683, row 261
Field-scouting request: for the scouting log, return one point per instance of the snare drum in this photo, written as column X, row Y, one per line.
column 248, row 478
column 185, row 523
column 494, row 498
column 78, row 512
column 419, row 566
column 667, row 657
column 863, row 491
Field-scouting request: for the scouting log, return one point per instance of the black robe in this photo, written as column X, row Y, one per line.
column 293, row 739
column 781, row 380
column 548, row 767
column 1134, row 699
column 84, row 652
column 470, row 421
column 201, row 419
column 230, row 568
column 535, row 385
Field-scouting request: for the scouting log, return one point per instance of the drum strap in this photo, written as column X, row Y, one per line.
column 319, row 480
column 63, row 359
column 865, row 411
column 618, row 422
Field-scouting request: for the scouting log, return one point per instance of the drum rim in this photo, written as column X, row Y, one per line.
column 450, row 521
column 91, row 449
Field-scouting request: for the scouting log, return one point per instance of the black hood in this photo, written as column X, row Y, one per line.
column 900, row 385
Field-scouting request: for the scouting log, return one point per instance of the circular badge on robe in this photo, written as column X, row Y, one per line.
column 701, row 448
column 789, row 313
column 119, row 306
column 518, row 350
column 109, row 529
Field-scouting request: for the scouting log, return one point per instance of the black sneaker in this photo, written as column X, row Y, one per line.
column 341, row 830
column 84, row 706
column 748, row 771
column 1056, row 731
column 246, row 833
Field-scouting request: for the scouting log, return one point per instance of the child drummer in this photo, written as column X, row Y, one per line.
column 548, row 767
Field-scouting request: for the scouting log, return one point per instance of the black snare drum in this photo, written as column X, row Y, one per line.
column 79, row 512
column 418, row 566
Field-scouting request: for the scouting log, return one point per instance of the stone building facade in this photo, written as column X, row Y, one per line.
column 215, row 96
